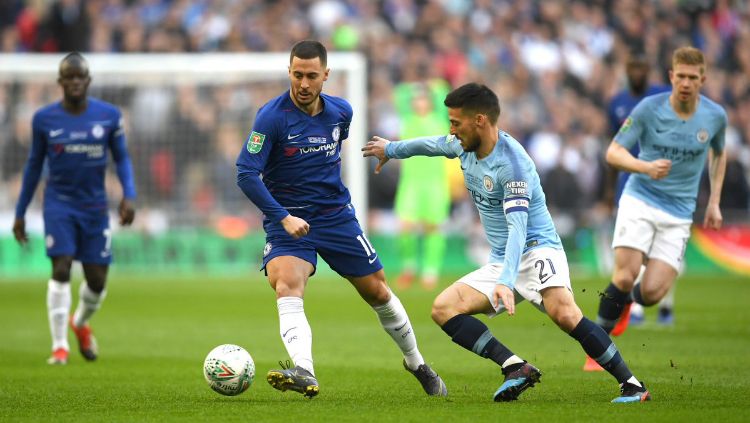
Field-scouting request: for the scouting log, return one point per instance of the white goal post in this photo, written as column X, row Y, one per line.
column 130, row 72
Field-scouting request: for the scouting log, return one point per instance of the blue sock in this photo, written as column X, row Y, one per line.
column 600, row 347
column 470, row 333
column 637, row 296
column 610, row 307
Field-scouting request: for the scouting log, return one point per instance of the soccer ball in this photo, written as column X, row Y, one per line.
column 229, row 369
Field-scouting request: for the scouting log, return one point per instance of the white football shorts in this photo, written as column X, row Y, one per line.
column 539, row 269
column 655, row 232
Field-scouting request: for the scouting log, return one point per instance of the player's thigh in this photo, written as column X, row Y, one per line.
column 60, row 233
column 484, row 280
column 346, row 249
column 542, row 268
column 288, row 275
column 634, row 225
column 671, row 241
column 460, row 298
column 94, row 239
column 280, row 244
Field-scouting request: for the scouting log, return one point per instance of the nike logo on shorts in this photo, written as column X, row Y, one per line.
column 373, row 259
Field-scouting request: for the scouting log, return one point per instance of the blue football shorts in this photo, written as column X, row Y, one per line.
column 84, row 236
column 342, row 245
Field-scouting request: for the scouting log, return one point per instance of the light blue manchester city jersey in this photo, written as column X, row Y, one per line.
column 664, row 135
column 505, row 188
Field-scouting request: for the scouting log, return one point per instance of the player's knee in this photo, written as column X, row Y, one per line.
column 61, row 268
column 442, row 310
column 624, row 279
column 288, row 287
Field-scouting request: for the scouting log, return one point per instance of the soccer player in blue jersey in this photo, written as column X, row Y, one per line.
column 527, row 260
column 637, row 71
column 74, row 137
column 676, row 130
column 290, row 167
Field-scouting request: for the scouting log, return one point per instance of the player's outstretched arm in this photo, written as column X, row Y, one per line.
column 717, row 164
column 376, row 148
column 619, row 157
column 19, row 231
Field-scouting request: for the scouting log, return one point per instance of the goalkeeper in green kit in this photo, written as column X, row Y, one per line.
column 423, row 196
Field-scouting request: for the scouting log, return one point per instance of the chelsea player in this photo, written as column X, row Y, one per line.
column 290, row 167
column 74, row 136
column 527, row 260
column 676, row 130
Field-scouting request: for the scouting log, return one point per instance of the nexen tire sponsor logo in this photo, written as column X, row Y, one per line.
column 92, row 151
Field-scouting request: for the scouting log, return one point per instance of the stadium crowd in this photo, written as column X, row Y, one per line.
column 555, row 64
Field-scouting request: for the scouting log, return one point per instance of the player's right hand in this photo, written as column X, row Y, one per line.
column 295, row 226
column 660, row 168
column 19, row 231
column 376, row 148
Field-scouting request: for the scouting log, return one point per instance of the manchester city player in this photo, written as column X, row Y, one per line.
column 527, row 260
column 290, row 167
column 676, row 132
column 74, row 136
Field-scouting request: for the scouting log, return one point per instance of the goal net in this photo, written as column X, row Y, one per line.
column 187, row 117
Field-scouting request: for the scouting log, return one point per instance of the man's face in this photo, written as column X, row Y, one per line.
column 687, row 81
column 306, row 77
column 463, row 127
column 637, row 76
column 74, row 79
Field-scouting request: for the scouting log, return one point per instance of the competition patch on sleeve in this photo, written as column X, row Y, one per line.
column 255, row 142
column 120, row 127
column 626, row 125
column 514, row 204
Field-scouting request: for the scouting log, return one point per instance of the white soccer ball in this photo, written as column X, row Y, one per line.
column 229, row 369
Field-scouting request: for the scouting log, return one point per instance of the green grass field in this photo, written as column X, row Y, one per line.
column 154, row 333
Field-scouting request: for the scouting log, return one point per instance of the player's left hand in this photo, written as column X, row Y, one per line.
column 376, row 148
column 126, row 211
column 19, row 231
column 505, row 294
column 713, row 217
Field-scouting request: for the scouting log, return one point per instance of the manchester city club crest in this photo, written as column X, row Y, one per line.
column 702, row 136
column 266, row 249
column 488, row 184
column 336, row 133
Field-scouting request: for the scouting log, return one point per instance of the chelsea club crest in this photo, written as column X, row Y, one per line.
column 336, row 133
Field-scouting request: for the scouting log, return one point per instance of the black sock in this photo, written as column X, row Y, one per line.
column 637, row 296
column 470, row 333
column 610, row 307
column 600, row 347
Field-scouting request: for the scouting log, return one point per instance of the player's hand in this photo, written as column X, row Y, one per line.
column 126, row 211
column 376, row 148
column 713, row 217
column 658, row 169
column 505, row 294
column 19, row 231
column 295, row 226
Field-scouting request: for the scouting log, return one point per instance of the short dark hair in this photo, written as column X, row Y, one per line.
column 74, row 58
column 474, row 98
column 309, row 49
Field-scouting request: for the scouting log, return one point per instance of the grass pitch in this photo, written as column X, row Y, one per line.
column 154, row 333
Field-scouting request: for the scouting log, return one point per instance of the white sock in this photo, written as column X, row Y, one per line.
column 295, row 332
column 634, row 381
column 514, row 359
column 395, row 321
column 58, row 307
column 88, row 303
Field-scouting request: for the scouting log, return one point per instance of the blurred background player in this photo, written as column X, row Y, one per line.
column 295, row 144
column 527, row 259
column 676, row 131
column 423, row 197
column 637, row 72
column 74, row 137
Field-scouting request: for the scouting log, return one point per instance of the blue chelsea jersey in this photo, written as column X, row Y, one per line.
column 664, row 135
column 75, row 148
column 298, row 157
